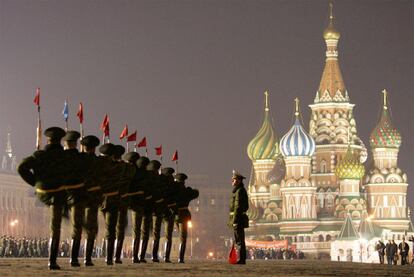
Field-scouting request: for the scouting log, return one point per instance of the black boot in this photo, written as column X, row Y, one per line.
column 135, row 249
column 88, row 252
column 118, row 251
column 53, row 253
column 75, row 253
column 167, row 251
column 144, row 245
column 155, row 248
column 182, row 252
column 110, row 244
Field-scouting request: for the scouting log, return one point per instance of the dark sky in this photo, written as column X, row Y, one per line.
column 191, row 74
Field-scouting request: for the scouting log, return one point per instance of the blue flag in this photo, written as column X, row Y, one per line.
column 65, row 111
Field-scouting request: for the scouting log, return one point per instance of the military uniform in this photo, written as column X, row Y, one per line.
column 170, row 211
column 238, row 219
column 94, row 194
column 184, row 197
column 46, row 170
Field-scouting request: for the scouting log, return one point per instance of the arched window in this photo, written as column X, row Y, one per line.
column 321, row 238
column 328, row 237
column 323, row 166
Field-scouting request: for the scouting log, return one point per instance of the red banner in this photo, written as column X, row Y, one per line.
column 267, row 244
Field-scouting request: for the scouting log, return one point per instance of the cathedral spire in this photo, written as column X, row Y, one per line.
column 9, row 149
column 9, row 159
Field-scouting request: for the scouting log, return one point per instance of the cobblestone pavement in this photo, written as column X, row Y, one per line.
column 38, row 267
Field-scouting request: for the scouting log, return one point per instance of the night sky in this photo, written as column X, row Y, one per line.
column 191, row 74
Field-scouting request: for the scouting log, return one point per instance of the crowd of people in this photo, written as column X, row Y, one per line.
column 114, row 182
column 393, row 252
column 275, row 254
column 23, row 247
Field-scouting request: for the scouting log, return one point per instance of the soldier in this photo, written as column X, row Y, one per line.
column 158, row 192
column 142, row 164
column 184, row 197
column 46, row 171
column 170, row 211
column 136, row 195
column 238, row 219
column 92, row 183
column 127, row 172
column 76, row 191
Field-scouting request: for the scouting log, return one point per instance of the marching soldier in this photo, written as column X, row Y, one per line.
column 185, row 195
column 127, row 173
column 142, row 164
column 159, row 191
column 46, row 170
column 94, row 195
column 170, row 211
column 238, row 219
column 76, row 191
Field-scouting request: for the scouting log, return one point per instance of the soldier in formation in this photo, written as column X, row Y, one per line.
column 84, row 183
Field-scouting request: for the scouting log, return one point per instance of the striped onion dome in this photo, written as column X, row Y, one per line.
column 385, row 135
column 297, row 142
column 350, row 167
column 264, row 146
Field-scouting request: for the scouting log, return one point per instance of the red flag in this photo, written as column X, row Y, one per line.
column 80, row 113
column 132, row 137
column 142, row 143
column 105, row 125
column 124, row 132
column 175, row 156
column 233, row 255
column 158, row 150
column 36, row 100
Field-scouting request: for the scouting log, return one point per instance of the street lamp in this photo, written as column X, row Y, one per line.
column 190, row 226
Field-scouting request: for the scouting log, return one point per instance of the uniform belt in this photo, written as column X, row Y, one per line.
column 148, row 197
column 111, row 193
column 232, row 213
column 61, row 188
column 124, row 195
column 183, row 208
column 95, row 188
column 136, row 193
column 172, row 205
column 159, row 200
column 75, row 186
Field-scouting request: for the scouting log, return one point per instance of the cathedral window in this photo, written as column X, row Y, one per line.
column 328, row 237
column 323, row 166
column 321, row 238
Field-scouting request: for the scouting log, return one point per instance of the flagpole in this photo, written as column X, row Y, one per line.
column 176, row 166
column 146, row 152
column 39, row 130
column 66, row 125
column 127, row 146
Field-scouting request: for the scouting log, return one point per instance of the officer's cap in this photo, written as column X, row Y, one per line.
column 131, row 157
column 180, row 177
column 55, row 133
column 90, row 141
column 71, row 136
column 107, row 149
column 153, row 165
column 167, row 171
column 142, row 162
column 119, row 150
column 237, row 175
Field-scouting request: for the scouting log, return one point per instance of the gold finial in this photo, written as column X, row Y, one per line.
column 331, row 11
column 385, row 93
column 297, row 107
column 266, row 93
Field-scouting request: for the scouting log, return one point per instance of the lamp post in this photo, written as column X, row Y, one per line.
column 190, row 226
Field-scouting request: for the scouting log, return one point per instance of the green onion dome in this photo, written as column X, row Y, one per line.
column 385, row 135
column 350, row 167
column 264, row 146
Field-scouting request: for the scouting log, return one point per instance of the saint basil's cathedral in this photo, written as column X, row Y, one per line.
column 313, row 188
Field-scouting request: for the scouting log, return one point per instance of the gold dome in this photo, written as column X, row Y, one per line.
column 330, row 32
column 350, row 167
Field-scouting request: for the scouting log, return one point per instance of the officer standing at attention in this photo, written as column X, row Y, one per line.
column 46, row 170
column 94, row 194
column 76, row 191
column 184, row 197
column 238, row 219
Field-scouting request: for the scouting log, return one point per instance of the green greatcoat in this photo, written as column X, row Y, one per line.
column 239, row 205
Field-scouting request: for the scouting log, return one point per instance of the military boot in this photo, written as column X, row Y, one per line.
column 155, row 248
column 144, row 245
column 75, row 253
column 118, row 251
column 53, row 253
column 135, row 249
column 88, row 252
column 167, row 251
column 110, row 244
column 182, row 252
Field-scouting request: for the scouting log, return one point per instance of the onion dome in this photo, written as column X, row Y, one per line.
column 350, row 167
column 253, row 212
column 330, row 31
column 297, row 142
column 385, row 135
column 264, row 146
